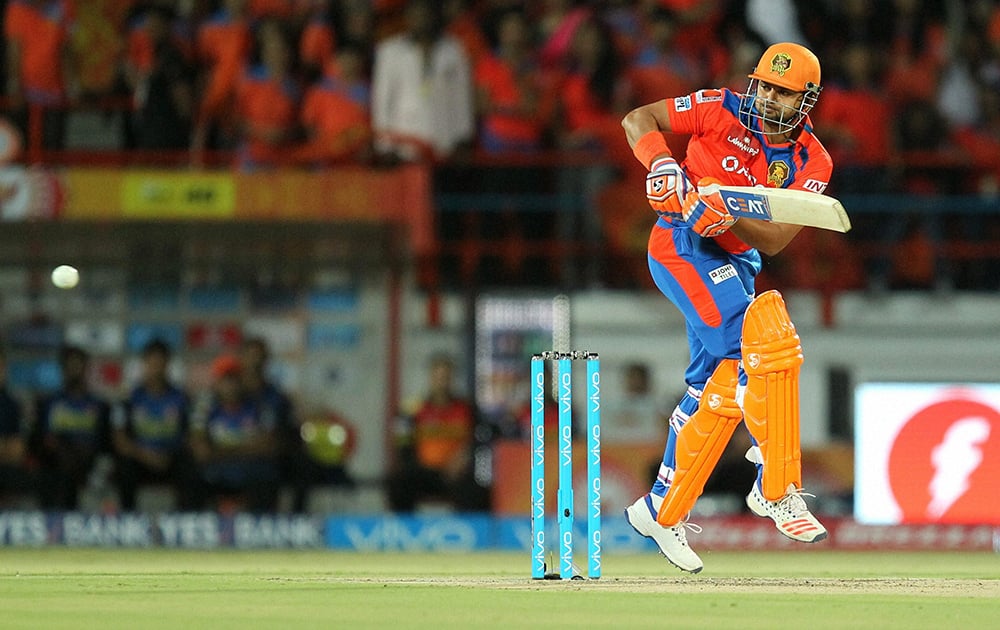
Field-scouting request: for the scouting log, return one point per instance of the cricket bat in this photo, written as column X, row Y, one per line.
column 779, row 205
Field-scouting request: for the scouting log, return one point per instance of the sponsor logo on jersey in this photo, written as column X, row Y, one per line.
column 781, row 63
column 732, row 164
column 708, row 96
column 815, row 185
column 777, row 173
column 682, row 103
column 721, row 274
column 739, row 138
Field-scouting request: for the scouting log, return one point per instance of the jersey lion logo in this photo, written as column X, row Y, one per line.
column 781, row 63
column 777, row 173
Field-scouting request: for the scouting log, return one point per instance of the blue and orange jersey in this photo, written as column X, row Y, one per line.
column 158, row 421
column 721, row 147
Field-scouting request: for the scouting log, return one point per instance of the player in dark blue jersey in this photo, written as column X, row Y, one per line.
column 150, row 430
column 71, row 429
column 236, row 450
column 16, row 479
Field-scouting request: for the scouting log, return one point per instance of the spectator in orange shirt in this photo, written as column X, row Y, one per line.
column 39, row 64
column 223, row 47
column 661, row 66
column 594, row 94
column 268, row 99
column 855, row 118
column 316, row 43
column 335, row 112
column 465, row 26
column 594, row 97
column 981, row 142
column 434, row 459
column 508, row 90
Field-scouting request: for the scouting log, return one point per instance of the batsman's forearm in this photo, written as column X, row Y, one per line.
column 767, row 238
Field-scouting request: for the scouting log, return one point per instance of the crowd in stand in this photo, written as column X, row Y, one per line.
column 911, row 100
column 311, row 81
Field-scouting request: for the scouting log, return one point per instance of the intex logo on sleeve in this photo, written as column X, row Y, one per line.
column 724, row 272
column 682, row 103
column 815, row 185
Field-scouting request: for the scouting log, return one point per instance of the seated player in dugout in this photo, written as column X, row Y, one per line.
column 235, row 449
column 18, row 480
column 150, row 432
column 745, row 355
column 72, row 428
column 434, row 457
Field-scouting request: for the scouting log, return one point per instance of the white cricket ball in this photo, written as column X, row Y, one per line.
column 65, row 276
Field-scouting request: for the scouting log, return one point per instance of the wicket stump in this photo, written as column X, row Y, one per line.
column 563, row 361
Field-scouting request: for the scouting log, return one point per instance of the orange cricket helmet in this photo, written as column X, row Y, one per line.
column 786, row 65
column 791, row 66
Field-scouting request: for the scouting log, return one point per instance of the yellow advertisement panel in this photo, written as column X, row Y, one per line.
column 159, row 194
column 352, row 193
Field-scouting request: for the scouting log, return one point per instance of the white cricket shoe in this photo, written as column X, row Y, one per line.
column 672, row 541
column 790, row 514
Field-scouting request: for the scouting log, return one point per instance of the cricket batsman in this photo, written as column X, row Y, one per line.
column 745, row 353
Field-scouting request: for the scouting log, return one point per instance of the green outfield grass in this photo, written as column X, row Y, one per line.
column 73, row 588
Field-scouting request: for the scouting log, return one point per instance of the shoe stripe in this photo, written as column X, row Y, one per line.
column 799, row 523
column 801, row 530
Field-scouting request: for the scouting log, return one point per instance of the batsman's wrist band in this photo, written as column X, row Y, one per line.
column 650, row 145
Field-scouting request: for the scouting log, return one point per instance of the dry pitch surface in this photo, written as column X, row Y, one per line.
column 935, row 587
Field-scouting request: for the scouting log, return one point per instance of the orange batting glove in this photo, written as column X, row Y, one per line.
column 705, row 211
column 666, row 187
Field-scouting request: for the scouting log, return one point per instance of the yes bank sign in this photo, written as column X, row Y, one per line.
column 927, row 453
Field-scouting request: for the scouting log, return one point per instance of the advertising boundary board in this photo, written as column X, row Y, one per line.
column 443, row 533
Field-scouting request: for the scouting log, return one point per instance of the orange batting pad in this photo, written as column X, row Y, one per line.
column 772, row 358
column 701, row 442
